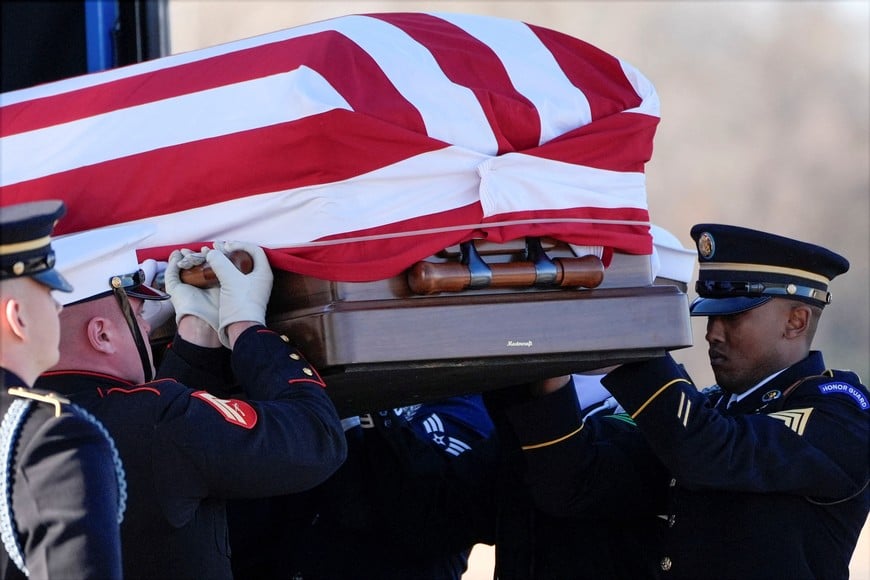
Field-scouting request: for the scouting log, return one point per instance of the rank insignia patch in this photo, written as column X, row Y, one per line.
column 794, row 419
column 234, row 411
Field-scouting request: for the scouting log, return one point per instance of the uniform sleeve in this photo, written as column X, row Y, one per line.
column 68, row 516
column 197, row 366
column 285, row 437
column 815, row 446
column 432, row 486
column 600, row 468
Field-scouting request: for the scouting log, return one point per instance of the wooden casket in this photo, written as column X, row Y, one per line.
column 383, row 344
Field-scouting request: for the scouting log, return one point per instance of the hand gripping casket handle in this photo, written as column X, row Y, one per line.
column 203, row 276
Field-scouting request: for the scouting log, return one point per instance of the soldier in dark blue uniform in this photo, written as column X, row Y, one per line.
column 62, row 486
column 769, row 469
column 185, row 450
column 409, row 502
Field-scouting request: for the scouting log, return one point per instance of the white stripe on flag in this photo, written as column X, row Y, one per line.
column 517, row 182
column 222, row 111
column 532, row 70
column 425, row 184
column 450, row 112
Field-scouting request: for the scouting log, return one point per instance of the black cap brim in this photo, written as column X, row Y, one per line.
column 726, row 306
column 145, row 292
column 53, row 279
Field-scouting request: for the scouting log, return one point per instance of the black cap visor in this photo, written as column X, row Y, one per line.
column 725, row 306
column 53, row 279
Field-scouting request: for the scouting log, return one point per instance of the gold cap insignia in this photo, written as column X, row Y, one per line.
column 706, row 245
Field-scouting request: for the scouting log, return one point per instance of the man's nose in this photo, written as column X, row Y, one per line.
column 714, row 329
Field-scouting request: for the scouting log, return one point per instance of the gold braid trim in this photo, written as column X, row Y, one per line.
column 553, row 442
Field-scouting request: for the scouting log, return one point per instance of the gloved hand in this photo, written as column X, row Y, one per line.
column 243, row 297
column 187, row 299
column 155, row 312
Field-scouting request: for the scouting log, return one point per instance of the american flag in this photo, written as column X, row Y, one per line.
column 349, row 148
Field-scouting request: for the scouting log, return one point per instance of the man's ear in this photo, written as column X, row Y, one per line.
column 100, row 333
column 12, row 318
column 799, row 317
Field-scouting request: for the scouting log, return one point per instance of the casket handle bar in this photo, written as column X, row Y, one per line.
column 471, row 272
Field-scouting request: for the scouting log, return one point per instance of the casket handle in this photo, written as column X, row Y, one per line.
column 471, row 272
column 203, row 276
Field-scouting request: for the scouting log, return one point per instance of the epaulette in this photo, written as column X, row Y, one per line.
column 46, row 397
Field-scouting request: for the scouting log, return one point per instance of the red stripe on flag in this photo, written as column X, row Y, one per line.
column 469, row 62
column 598, row 74
column 323, row 148
column 347, row 67
column 622, row 142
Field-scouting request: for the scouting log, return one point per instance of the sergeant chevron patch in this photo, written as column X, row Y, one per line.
column 794, row 419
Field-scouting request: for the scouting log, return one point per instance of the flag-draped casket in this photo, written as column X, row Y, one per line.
column 351, row 148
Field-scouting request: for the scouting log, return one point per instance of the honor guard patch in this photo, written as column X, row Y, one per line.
column 845, row 389
column 234, row 411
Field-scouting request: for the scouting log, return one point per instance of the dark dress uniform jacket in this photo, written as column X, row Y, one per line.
column 582, row 500
column 408, row 503
column 186, row 451
column 775, row 487
column 64, row 492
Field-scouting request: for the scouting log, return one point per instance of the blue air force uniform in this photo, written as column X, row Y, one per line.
column 186, row 451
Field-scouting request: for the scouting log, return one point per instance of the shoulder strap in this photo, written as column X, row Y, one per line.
column 10, row 429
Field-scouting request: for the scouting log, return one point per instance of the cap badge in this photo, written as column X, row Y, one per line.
column 18, row 268
column 706, row 245
column 771, row 396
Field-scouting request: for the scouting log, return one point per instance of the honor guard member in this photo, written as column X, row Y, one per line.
column 187, row 451
column 770, row 467
column 62, row 486
column 582, row 487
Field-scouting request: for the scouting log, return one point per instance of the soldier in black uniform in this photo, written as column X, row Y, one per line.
column 769, row 468
column 62, row 486
column 187, row 451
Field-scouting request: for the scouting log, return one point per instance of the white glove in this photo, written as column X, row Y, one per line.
column 155, row 312
column 187, row 299
column 243, row 297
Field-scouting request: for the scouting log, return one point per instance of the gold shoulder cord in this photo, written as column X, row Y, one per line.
column 51, row 398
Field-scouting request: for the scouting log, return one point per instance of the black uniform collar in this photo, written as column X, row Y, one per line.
column 773, row 390
column 71, row 382
column 9, row 379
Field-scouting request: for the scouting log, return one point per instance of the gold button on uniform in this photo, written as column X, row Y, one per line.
column 308, row 371
column 285, row 338
column 666, row 563
column 294, row 356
